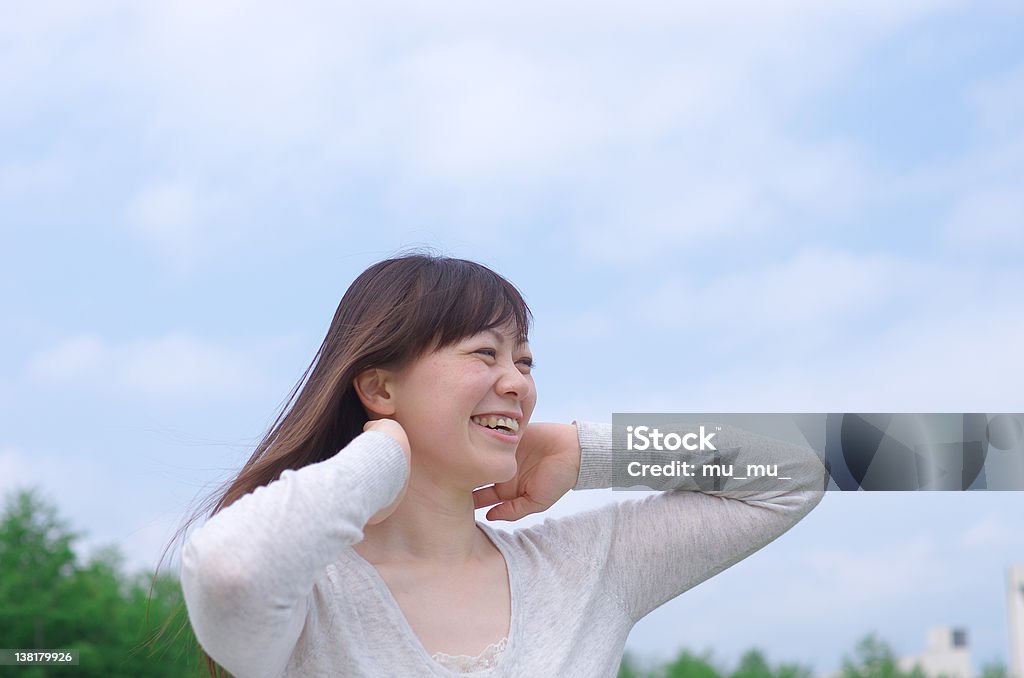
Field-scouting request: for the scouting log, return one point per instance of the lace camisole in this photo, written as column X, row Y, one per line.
column 463, row 663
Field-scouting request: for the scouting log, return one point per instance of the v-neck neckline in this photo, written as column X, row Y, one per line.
column 399, row 618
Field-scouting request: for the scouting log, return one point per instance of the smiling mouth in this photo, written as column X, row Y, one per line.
column 501, row 424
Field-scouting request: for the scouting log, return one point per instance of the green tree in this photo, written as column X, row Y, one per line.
column 790, row 670
column 752, row 665
column 51, row 601
column 874, row 658
column 35, row 562
column 629, row 668
column 994, row 669
column 689, row 665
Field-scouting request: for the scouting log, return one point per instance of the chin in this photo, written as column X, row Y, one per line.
column 506, row 472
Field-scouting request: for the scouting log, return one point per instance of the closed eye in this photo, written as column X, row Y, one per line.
column 492, row 353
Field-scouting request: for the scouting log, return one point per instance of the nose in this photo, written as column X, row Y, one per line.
column 514, row 383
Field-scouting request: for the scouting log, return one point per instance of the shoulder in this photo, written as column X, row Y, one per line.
column 578, row 535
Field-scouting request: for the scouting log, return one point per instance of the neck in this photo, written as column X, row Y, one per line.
column 433, row 524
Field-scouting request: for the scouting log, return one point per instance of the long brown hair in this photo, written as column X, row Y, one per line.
column 395, row 311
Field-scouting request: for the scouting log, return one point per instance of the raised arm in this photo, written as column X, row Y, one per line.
column 247, row 574
column 653, row 549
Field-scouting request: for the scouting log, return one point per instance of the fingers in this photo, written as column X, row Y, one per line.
column 517, row 508
column 508, row 508
column 486, row 496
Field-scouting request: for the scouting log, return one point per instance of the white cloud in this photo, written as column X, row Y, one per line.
column 861, row 578
column 570, row 327
column 967, row 363
column 175, row 365
column 72, row 358
column 181, row 365
column 168, row 215
column 808, row 294
column 1000, row 102
column 989, row 209
column 990, row 532
column 477, row 114
column 488, row 111
column 981, row 186
column 826, row 331
column 730, row 179
column 993, row 216
column 35, row 176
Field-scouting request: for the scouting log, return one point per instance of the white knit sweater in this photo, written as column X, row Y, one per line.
column 273, row 587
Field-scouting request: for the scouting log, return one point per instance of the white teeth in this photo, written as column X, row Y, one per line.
column 494, row 422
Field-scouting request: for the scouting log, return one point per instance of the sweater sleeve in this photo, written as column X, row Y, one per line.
column 650, row 550
column 248, row 572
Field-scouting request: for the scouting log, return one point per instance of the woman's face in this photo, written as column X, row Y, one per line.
column 465, row 407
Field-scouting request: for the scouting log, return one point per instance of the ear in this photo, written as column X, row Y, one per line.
column 374, row 390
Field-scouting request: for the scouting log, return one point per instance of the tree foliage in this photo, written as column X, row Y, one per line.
column 53, row 601
column 874, row 658
column 994, row 669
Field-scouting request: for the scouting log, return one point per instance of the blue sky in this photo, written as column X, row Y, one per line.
column 797, row 207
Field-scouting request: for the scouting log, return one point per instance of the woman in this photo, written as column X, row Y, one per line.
column 347, row 546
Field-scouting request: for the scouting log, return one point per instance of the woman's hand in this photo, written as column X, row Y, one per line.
column 548, row 459
column 395, row 430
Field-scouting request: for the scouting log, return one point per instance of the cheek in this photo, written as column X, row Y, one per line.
column 449, row 401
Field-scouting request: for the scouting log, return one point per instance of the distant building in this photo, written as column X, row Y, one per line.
column 1015, row 603
column 947, row 655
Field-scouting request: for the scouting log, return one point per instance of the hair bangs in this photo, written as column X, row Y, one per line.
column 474, row 299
